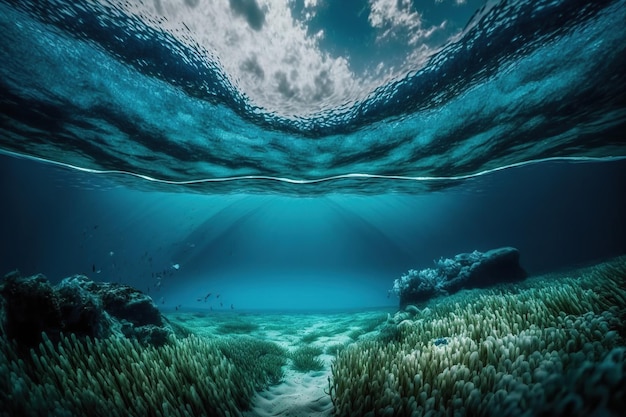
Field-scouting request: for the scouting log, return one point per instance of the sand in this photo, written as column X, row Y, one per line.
column 299, row 393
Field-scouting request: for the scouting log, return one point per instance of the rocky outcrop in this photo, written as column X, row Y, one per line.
column 30, row 305
column 465, row 270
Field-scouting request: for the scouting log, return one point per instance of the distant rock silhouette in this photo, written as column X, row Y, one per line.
column 30, row 305
column 465, row 270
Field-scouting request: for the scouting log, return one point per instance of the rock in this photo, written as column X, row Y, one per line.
column 30, row 305
column 127, row 303
column 465, row 270
column 82, row 309
column 78, row 305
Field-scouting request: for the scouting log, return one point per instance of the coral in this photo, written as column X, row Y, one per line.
column 552, row 346
column 80, row 306
column 465, row 270
column 120, row 377
column 261, row 360
column 30, row 306
column 306, row 359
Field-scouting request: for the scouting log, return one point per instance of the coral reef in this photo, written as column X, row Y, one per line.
column 465, row 270
column 551, row 346
column 101, row 349
column 77, row 305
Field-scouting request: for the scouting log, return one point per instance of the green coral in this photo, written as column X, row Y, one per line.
column 261, row 360
column 305, row 359
column 552, row 346
column 119, row 377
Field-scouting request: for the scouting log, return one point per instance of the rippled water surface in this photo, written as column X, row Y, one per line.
column 201, row 93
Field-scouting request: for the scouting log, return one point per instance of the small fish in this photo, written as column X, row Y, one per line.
column 111, row 253
column 221, row 304
column 207, row 296
column 176, row 266
column 162, row 300
column 93, row 268
column 232, row 307
column 200, row 299
column 217, row 296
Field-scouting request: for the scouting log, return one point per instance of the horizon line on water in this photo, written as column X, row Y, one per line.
column 300, row 181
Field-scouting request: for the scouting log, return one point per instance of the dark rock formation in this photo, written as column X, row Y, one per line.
column 30, row 305
column 465, row 270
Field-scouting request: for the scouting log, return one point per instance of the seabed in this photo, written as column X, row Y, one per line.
column 550, row 345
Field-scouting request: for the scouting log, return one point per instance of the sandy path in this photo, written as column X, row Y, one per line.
column 298, row 395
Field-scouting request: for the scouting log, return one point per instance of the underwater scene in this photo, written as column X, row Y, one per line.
column 299, row 208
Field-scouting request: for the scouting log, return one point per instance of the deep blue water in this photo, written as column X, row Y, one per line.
column 284, row 252
column 509, row 133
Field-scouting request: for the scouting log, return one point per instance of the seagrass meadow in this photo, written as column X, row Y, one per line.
column 119, row 377
column 552, row 345
column 549, row 346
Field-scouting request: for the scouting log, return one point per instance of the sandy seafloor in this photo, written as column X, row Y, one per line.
column 299, row 393
column 549, row 345
column 575, row 318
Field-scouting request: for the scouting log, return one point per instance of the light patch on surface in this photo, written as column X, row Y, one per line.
column 388, row 16
column 272, row 57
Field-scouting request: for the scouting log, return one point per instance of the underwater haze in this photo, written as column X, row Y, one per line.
column 313, row 208
column 283, row 252
column 305, row 154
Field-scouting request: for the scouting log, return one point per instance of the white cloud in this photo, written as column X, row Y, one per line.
column 395, row 17
column 310, row 3
column 272, row 58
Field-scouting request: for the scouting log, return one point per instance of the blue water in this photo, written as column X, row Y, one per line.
column 133, row 143
column 111, row 87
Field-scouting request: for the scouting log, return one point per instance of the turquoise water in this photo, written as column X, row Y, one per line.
column 264, row 171
column 131, row 87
